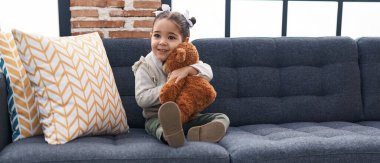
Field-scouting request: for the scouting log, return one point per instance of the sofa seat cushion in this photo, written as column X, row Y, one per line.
column 304, row 142
column 135, row 146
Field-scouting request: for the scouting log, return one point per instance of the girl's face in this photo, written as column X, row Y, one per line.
column 165, row 38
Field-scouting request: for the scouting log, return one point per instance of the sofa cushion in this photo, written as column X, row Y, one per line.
column 369, row 60
column 74, row 84
column 136, row 146
column 122, row 53
column 5, row 126
column 304, row 142
column 22, row 107
column 279, row 80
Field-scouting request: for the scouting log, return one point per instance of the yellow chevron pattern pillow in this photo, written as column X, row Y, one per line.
column 75, row 88
column 21, row 104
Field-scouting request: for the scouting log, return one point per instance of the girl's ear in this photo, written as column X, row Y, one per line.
column 186, row 39
column 150, row 34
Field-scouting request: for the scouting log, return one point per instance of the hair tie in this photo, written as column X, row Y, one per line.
column 187, row 17
column 164, row 7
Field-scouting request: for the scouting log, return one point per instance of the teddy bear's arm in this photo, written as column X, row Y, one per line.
column 170, row 90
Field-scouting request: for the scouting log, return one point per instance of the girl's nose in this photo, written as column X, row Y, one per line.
column 162, row 42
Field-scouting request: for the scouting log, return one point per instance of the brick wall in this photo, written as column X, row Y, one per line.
column 113, row 18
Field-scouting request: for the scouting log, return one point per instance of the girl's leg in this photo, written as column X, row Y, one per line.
column 170, row 120
column 167, row 127
column 209, row 127
column 153, row 127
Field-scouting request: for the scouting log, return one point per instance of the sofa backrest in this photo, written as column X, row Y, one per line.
column 5, row 125
column 369, row 61
column 262, row 80
column 277, row 80
column 122, row 53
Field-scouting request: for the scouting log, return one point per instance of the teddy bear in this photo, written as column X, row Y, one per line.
column 193, row 93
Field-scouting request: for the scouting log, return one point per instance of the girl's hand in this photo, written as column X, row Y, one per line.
column 182, row 73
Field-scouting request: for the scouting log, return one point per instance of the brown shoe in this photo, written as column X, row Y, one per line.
column 211, row 132
column 169, row 117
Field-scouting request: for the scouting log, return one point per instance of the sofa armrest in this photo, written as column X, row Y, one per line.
column 5, row 126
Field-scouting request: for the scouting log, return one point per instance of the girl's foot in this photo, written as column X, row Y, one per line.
column 211, row 132
column 170, row 120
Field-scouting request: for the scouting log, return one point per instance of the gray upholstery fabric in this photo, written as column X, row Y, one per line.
column 122, row 53
column 275, row 90
column 135, row 146
column 5, row 125
column 279, row 80
column 304, row 142
column 369, row 60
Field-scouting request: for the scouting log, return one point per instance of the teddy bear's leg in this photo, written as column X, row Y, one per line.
column 186, row 111
column 201, row 91
column 170, row 91
column 208, row 94
column 186, row 103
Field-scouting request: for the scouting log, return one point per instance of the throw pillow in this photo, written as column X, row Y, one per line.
column 75, row 87
column 21, row 105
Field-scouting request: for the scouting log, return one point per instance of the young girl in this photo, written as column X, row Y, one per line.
column 163, row 121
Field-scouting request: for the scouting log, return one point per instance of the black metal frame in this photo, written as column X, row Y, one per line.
column 227, row 23
column 339, row 18
column 65, row 15
column 169, row 2
column 284, row 17
column 285, row 14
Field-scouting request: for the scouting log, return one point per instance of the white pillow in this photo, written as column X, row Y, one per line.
column 74, row 84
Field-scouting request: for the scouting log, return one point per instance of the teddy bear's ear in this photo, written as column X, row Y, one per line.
column 181, row 55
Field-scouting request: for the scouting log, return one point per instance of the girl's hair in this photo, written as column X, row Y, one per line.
column 178, row 19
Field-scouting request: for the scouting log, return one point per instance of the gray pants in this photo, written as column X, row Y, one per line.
column 153, row 126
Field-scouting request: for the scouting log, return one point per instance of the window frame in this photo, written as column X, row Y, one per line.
column 65, row 15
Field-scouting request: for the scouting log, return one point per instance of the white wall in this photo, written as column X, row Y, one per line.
column 41, row 17
column 209, row 14
column 32, row 16
column 361, row 19
column 262, row 18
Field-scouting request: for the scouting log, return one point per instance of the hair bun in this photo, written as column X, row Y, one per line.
column 193, row 20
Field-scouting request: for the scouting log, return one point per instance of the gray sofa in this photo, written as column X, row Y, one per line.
column 288, row 99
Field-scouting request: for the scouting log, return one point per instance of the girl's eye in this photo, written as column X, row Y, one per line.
column 156, row 36
column 171, row 38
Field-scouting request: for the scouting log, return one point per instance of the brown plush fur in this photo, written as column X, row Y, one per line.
column 193, row 93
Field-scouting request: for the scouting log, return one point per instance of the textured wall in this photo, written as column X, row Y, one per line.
column 113, row 18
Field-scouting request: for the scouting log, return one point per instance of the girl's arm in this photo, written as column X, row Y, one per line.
column 146, row 92
column 204, row 70
column 200, row 69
